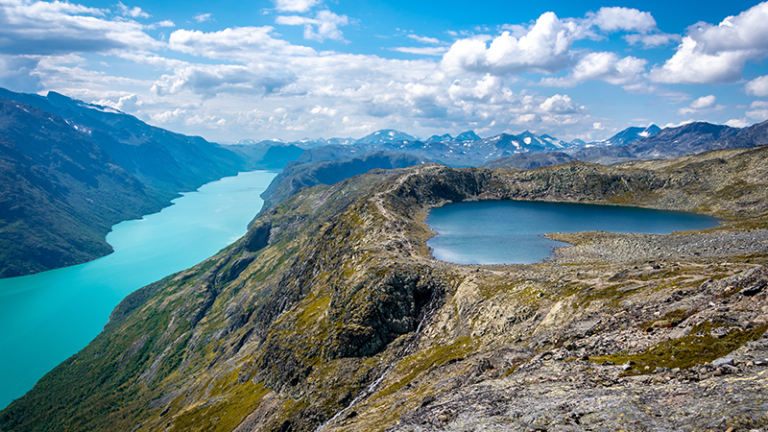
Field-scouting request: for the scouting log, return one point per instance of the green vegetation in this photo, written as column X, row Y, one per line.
column 699, row 347
column 669, row 320
column 424, row 361
column 229, row 404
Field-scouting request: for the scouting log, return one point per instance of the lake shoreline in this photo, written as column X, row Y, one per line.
column 47, row 317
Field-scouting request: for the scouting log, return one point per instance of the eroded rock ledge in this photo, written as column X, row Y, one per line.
column 337, row 307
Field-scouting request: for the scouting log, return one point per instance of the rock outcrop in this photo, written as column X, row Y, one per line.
column 332, row 314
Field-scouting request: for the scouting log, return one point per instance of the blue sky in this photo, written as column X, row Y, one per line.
column 292, row 69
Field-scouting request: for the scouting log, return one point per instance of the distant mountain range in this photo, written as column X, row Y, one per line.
column 628, row 135
column 528, row 150
column 466, row 149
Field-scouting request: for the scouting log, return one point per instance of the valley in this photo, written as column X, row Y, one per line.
column 47, row 317
column 334, row 289
column 325, row 216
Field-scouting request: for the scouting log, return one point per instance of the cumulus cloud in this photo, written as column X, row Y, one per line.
column 203, row 17
column 604, row 66
column 43, row 28
column 320, row 110
column 134, row 12
column 326, row 22
column 641, row 24
column 168, row 116
column 211, row 80
column 700, row 104
column 612, row 19
column 560, row 104
column 758, row 111
column 758, row 86
column 127, row 103
column 717, row 53
column 250, row 80
column 295, row 5
column 245, row 44
column 738, row 123
column 544, row 48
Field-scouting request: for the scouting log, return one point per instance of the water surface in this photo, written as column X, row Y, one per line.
column 47, row 317
column 498, row 232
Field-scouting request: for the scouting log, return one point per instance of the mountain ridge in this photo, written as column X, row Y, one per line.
column 57, row 215
column 333, row 304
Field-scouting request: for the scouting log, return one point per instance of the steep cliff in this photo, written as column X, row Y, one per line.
column 332, row 304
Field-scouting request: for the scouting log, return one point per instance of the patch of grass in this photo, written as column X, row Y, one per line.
column 221, row 413
column 699, row 347
column 416, row 364
column 671, row 319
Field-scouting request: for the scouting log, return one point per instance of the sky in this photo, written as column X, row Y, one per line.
column 294, row 69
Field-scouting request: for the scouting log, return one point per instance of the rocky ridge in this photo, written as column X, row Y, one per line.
column 331, row 313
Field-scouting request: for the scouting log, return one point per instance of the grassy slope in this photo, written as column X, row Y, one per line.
column 281, row 336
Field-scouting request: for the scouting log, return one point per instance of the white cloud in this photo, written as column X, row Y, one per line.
column 126, row 103
column 168, row 116
column 704, row 102
column 327, row 24
column 17, row 72
column 598, row 126
column 251, row 81
column 758, row 86
column 651, row 40
column 330, row 112
column 544, row 48
column 245, row 44
column 211, row 80
column 718, row 54
column 738, row 123
column 203, row 17
column 295, row 5
column 134, row 12
column 43, row 28
column 164, row 23
column 424, row 39
column 642, row 25
column 682, row 123
column 432, row 51
column 758, row 111
column 612, row 19
column 560, row 104
column 700, row 104
column 604, row 66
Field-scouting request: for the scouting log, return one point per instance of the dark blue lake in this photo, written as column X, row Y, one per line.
column 498, row 232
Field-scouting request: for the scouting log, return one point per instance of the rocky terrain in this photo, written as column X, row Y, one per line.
column 331, row 314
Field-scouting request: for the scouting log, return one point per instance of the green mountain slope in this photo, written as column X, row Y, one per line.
column 72, row 170
column 165, row 161
column 332, row 304
column 59, row 193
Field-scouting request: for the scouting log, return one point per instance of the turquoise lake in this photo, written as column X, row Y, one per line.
column 47, row 317
column 499, row 232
